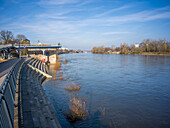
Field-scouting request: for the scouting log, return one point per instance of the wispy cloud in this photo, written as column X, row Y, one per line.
column 140, row 17
column 60, row 23
column 85, row 3
column 57, row 2
column 15, row 1
column 113, row 10
column 115, row 33
column 165, row 15
column 90, row 20
column 51, row 16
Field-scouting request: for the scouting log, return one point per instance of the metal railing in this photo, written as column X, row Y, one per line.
column 7, row 97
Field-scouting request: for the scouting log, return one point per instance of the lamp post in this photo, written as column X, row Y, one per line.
column 19, row 47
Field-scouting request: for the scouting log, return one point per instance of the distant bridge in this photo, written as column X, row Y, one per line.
column 38, row 47
column 7, row 49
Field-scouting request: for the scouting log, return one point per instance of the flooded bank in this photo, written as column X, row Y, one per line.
column 120, row 91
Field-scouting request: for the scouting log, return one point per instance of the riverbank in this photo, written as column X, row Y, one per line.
column 33, row 108
column 152, row 53
column 139, row 53
column 121, row 91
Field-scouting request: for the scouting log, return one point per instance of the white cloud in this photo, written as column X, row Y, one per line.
column 114, row 33
column 113, row 10
column 57, row 2
column 140, row 17
column 73, row 22
column 51, row 16
column 60, row 22
column 85, row 2
column 165, row 15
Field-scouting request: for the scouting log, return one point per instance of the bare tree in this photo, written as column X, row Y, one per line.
column 147, row 45
column 94, row 49
column 113, row 47
column 21, row 37
column 124, row 48
column 6, row 36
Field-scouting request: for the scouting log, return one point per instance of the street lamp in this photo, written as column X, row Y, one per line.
column 19, row 47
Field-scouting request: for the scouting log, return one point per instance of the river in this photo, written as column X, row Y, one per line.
column 121, row 91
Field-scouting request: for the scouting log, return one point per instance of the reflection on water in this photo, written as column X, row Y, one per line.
column 121, row 91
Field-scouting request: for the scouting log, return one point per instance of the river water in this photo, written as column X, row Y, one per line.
column 131, row 91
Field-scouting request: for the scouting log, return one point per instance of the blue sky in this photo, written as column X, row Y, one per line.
column 82, row 24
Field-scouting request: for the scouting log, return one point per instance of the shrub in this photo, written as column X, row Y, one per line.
column 57, row 65
column 77, row 110
column 61, row 78
column 65, row 62
column 73, row 87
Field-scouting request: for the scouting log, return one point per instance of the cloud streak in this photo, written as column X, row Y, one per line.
column 113, row 10
column 76, row 19
column 57, row 2
column 115, row 33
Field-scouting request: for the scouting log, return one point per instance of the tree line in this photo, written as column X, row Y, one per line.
column 148, row 45
column 7, row 37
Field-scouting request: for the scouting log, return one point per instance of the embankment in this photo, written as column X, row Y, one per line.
column 33, row 108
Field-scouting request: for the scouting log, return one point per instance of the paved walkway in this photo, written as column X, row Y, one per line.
column 35, row 109
column 6, row 66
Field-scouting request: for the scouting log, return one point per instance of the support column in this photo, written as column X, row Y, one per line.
column 26, row 52
column 9, row 55
column 48, row 57
column 56, row 53
column 4, row 54
column 43, row 56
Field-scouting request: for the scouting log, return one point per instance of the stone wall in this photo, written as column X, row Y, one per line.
column 52, row 58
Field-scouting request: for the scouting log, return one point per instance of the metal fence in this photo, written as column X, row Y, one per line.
column 7, row 97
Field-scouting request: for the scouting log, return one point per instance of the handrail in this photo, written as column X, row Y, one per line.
column 7, row 93
column 7, row 76
column 7, row 96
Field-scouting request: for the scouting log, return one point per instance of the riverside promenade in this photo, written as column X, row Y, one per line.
column 5, row 67
column 23, row 102
column 34, row 109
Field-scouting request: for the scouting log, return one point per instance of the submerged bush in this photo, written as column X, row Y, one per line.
column 61, row 78
column 57, row 65
column 73, row 87
column 55, row 78
column 77, row 110
column 65, row 62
